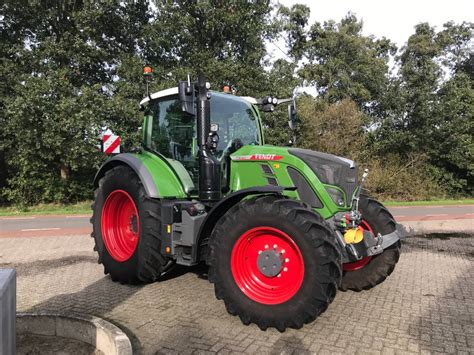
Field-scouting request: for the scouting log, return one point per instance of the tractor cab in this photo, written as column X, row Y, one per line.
column 172, row 133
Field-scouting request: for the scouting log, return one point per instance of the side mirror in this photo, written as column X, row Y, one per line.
column 292, row 115
column 187, row 96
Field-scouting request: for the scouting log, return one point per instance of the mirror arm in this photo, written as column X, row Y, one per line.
column 283, row 101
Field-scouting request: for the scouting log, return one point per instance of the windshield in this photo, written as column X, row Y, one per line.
column 236, row 119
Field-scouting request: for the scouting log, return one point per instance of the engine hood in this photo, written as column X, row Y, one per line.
column 331, row 169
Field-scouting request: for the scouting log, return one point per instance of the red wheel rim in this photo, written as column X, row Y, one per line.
column 250, row 279
column 120, row 225
column 364, row 261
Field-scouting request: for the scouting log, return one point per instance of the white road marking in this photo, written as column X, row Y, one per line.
column 39, row 229
column 15, row 218
column 437, row 215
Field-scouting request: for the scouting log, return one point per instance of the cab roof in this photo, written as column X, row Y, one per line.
column 174, row 91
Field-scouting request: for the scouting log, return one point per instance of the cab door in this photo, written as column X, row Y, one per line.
column 171, row 133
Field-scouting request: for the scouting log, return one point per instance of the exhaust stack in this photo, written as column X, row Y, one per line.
column 209, row 166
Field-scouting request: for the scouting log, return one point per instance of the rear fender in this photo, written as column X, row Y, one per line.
column 157, row 177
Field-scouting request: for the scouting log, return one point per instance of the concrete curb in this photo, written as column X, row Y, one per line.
column 95, row 331
column 449, row 226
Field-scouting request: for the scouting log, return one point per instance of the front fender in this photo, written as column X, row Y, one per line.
column 226, row 203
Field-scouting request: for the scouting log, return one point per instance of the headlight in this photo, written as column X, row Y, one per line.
column 336, row 195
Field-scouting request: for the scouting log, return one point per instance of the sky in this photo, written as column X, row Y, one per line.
column 392, row 19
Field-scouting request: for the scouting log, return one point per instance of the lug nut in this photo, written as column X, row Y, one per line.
column 287, row 260
column 275, row 246
column 285, row 269
column 266, row 246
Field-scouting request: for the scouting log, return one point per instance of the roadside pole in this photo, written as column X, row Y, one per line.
column 7, row 311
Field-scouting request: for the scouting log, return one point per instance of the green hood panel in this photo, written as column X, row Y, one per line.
column 267, row 165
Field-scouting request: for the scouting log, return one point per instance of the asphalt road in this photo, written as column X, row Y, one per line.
column 79, row 224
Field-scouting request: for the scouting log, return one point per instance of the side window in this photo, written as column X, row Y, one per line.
column 174, row 133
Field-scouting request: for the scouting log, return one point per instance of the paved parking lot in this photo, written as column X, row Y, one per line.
column 427, row 305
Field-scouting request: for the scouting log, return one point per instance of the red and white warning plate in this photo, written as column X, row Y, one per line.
column 111, row 143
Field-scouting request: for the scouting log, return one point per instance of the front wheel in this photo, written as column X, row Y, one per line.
column 372, row 270
column 274, row 262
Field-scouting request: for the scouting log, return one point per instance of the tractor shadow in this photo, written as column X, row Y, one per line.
column 289, row 344
column 177, row 271
column 97, row 299
column 100, row 297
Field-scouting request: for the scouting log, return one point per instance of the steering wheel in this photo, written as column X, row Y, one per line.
column 231, row 147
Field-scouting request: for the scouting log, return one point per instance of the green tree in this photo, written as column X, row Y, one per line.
column 13, row 28
column 282, row 82
column 338, row 60
column 224, row 40
column 82, row 65
column 452, row 146
column 67, row 92
column 435, row 107
column 292, row 22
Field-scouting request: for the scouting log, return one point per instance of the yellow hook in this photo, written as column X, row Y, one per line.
column 353, row 236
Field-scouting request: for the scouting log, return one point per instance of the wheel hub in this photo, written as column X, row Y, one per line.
column 270, row 262
column 267, row 265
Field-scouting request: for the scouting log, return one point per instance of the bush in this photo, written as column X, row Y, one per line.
column 393, row 178
column 335, row 128
column 338, row 129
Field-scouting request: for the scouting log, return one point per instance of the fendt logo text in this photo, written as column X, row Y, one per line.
column 258, row 157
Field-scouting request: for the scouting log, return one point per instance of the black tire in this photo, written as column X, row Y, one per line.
column 320, row 255
column 147, row 263
column 380, row 266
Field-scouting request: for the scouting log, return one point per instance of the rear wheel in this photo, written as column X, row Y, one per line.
column 126, row 228
column 370, row 271
column 274, row 262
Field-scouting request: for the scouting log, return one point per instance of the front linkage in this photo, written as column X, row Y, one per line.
column 357, row 242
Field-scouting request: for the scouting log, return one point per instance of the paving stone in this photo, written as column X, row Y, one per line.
column 425, row 306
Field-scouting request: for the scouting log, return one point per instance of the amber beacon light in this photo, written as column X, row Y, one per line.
column 147, row 70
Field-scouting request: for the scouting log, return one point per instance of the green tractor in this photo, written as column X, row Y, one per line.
column 280, row 228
